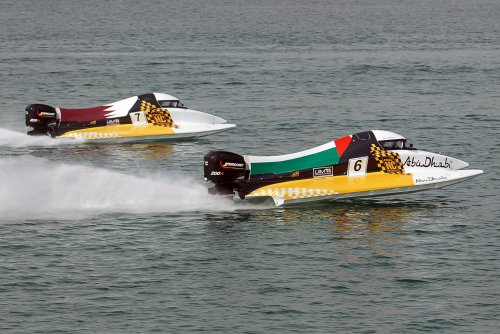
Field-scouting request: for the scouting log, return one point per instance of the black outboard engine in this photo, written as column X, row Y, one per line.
column 223, row 169
column 42, row 118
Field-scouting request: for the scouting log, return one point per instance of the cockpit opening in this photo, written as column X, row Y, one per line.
column 172, row 104
column 399, row 144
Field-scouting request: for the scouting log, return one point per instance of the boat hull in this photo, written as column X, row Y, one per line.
column 148, row 132
column 370, row 185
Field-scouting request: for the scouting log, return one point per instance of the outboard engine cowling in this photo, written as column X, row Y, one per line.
column 42, row 118
column 223, row 169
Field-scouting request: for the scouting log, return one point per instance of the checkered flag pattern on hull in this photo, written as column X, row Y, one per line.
column 388, row 162
column 293, row 193
column 157, row 116
column 92, row 135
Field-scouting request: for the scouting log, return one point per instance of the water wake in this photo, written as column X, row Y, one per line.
column 10, row 138
column 34, row 188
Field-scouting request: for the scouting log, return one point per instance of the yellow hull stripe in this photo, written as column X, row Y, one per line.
column 332, row 185
column 117, row 131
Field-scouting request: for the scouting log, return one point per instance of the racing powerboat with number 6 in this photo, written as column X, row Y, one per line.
column 359, row 165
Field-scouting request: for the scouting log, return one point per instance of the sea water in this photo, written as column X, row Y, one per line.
column 123, row 238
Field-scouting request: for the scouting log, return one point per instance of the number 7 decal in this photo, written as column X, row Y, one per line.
column 357, row 166
column 138, row 118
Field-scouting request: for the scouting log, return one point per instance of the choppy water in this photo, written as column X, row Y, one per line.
column 124, row 238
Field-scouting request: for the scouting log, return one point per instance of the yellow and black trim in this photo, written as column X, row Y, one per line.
column 333, row 185
column 388, row 162
column 118, row 131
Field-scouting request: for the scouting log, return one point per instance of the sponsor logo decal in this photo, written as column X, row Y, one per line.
column 323, row 171
column 43, row 113
column 428, row 162
column 430, row 179
column 231, row 165
column 389, row 164
column 114, row 121
column 216, row 173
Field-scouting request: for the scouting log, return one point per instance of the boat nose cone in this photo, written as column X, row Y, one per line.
column 218, row 120
column 459, row 164
column 475, row 172
column 469, row 173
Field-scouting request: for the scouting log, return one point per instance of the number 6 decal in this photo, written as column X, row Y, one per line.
column 357, row 166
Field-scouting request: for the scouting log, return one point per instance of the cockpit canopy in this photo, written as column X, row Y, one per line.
column 168, row 101
column 392, row 141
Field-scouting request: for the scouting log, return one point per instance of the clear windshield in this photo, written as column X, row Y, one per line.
column 400, row 144
column 171, row 104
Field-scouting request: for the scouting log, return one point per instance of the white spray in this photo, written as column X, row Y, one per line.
column 33, row 188
column 10, row 138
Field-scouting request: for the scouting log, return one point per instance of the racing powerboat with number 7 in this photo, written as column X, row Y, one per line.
column 152, row 116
